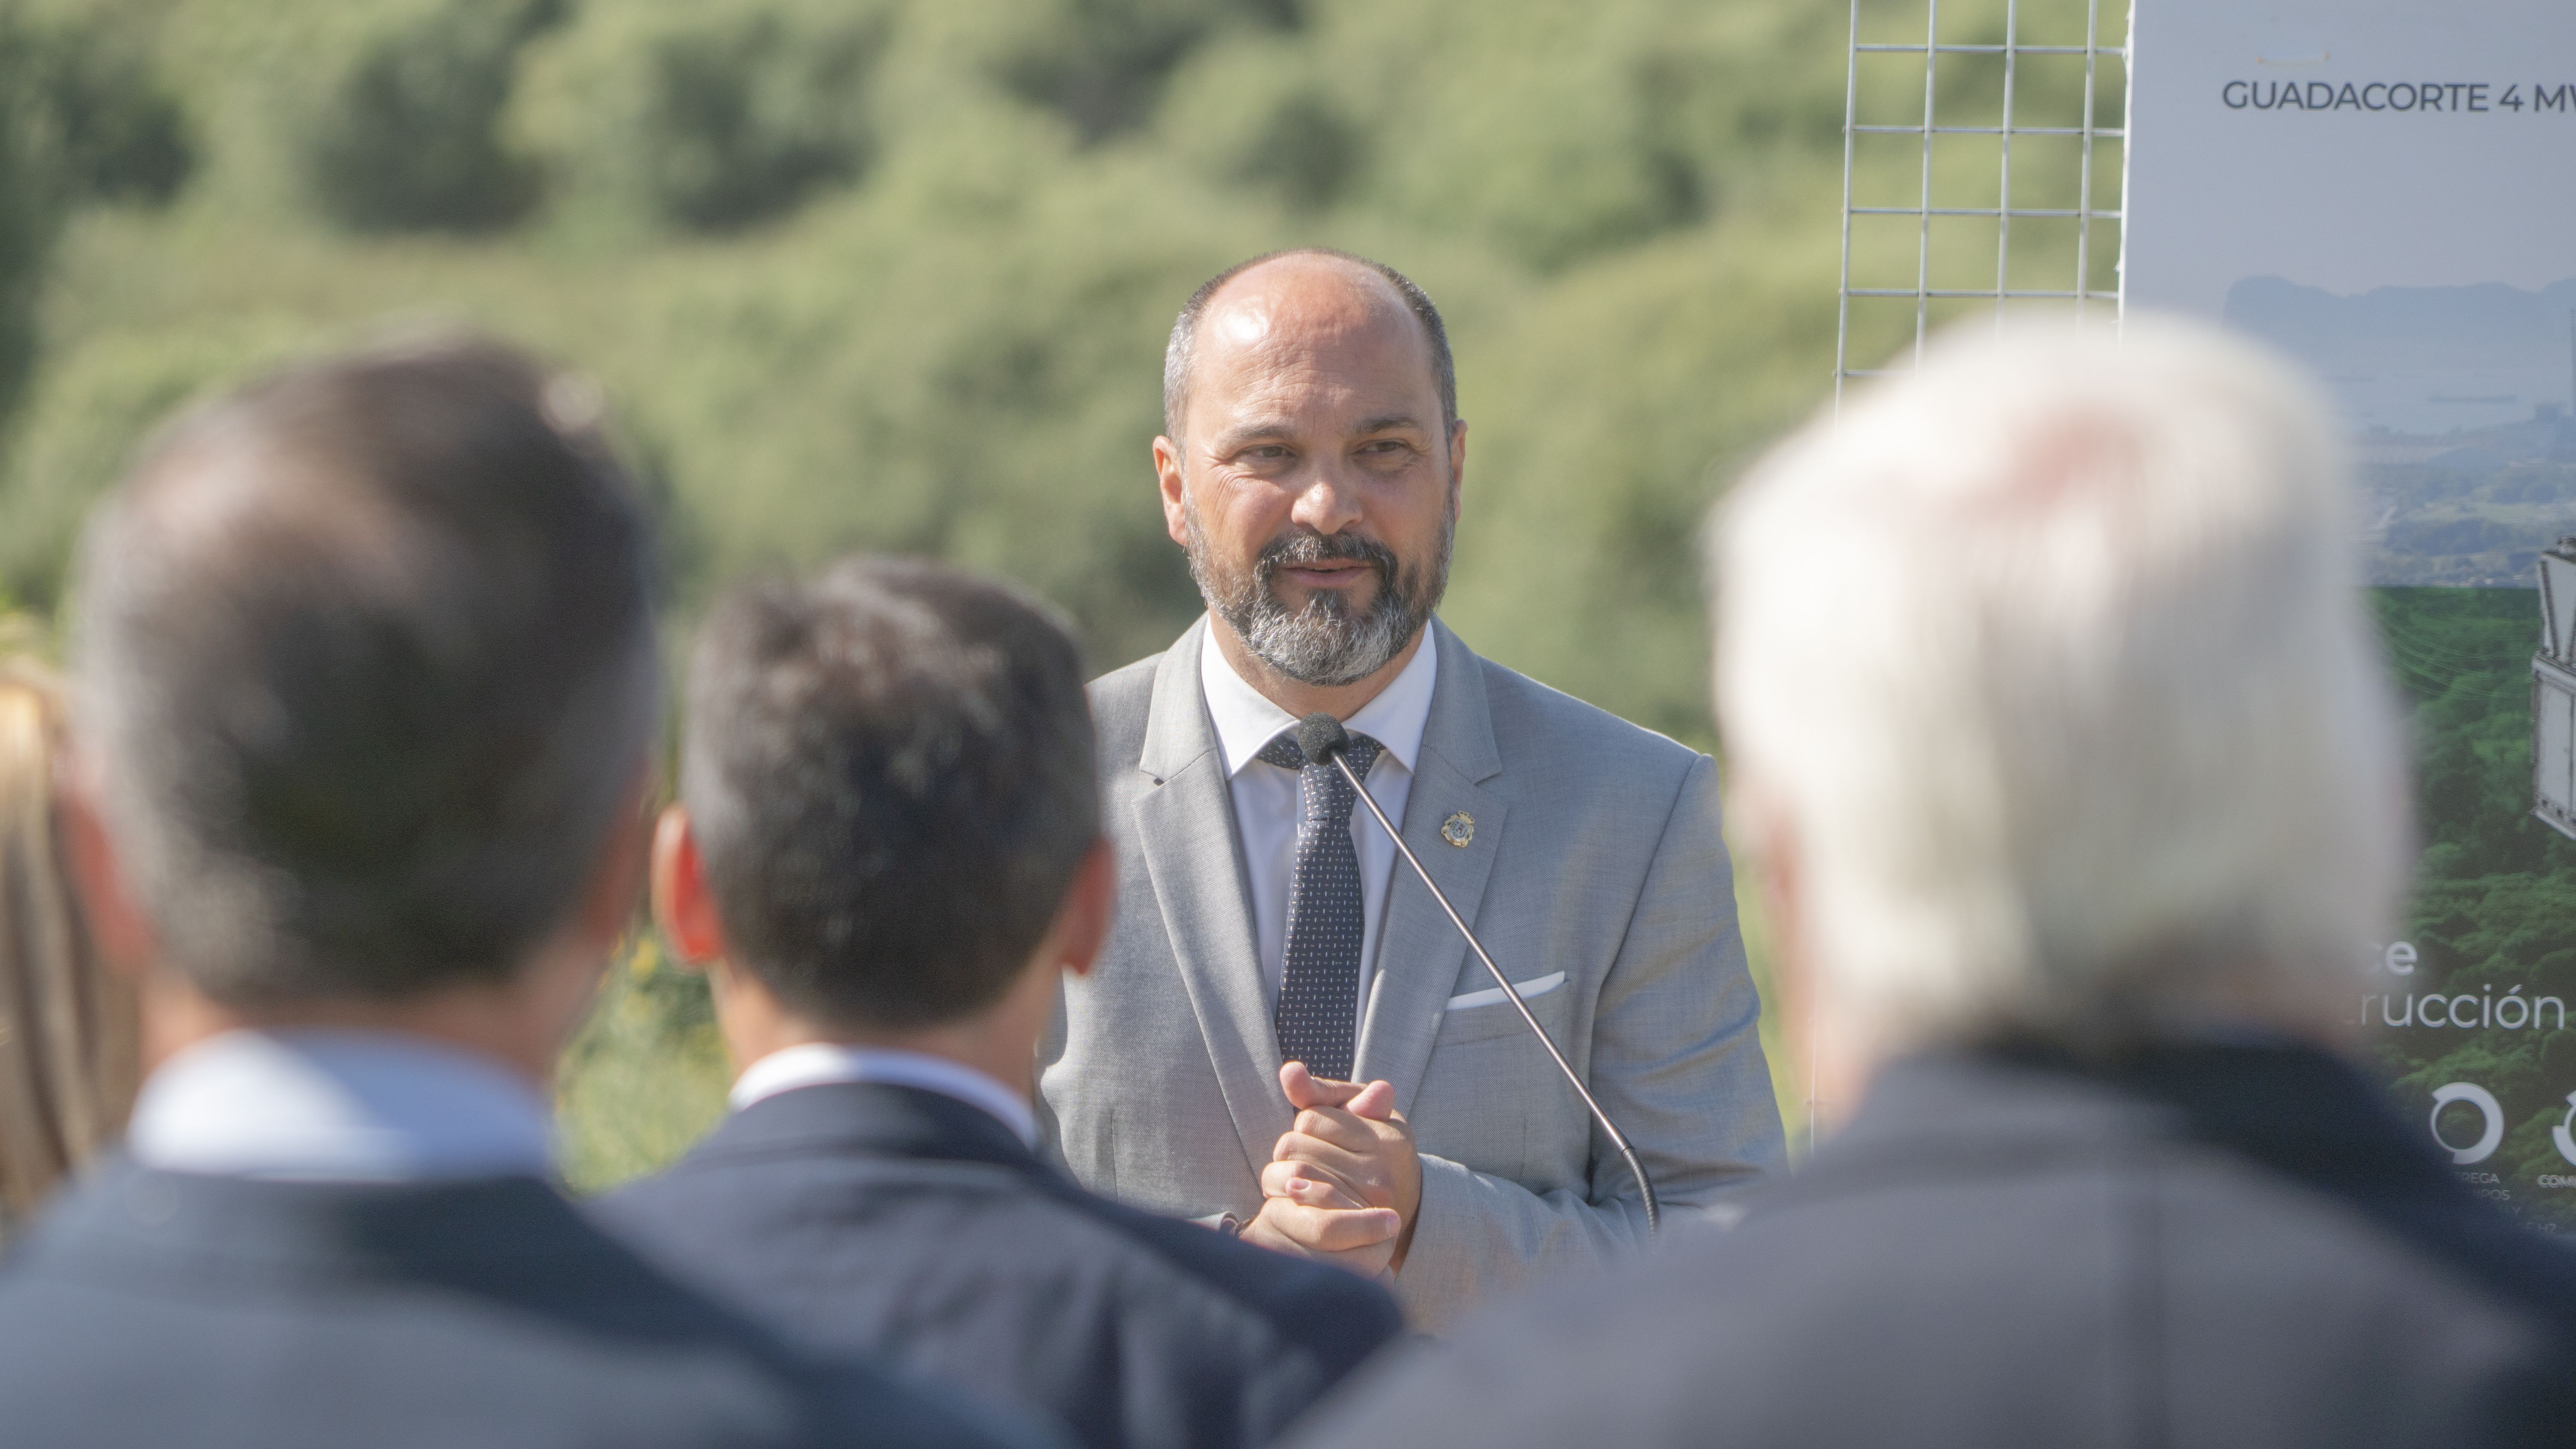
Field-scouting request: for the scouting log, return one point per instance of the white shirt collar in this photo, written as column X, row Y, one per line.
column 817, row 1063
column 338, row 1106
column 1246, row 720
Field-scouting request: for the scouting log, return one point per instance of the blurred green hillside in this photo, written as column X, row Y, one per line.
column 895, row 274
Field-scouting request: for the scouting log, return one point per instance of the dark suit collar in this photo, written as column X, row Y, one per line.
column 873, row 1119
column 2295, row 1109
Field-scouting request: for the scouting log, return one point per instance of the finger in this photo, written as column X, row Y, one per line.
column 1308, row 1192
column 1362, row 1175
column 1375, row 1101
column 1368, row 1262
column 1337, row 1127
column 1306, row 1184
column 1333, row 1159
column 1305, row 1089
column 1334, row 1230
column 1298, row 1083
column 1360, row 1191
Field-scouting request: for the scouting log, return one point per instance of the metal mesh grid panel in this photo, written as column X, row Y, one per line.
column 1989, row 224
column 1973, row 66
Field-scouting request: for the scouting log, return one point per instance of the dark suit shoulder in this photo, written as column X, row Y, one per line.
column 1338, row 1318
column 2037, row 1264
column 1158, row 1270
column 876, row 1220
column 157, row 1307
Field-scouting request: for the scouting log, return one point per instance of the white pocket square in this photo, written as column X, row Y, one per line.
column 1493, row 995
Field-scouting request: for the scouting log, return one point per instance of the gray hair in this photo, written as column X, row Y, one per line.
column 366, row 652
column 2053, row 656
column 1181, row 352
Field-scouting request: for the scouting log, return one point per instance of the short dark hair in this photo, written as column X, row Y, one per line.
column 889, row 771
column 1180, row 354
column 368, row 653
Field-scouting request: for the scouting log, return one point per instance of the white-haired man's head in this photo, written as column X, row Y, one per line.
column 2047, row 670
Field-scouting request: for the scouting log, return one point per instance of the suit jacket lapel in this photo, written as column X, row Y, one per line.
column 1185, row 824
column 1419, row 953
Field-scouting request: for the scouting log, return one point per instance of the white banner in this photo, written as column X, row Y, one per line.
column 2383, row 187
column 2386, row 189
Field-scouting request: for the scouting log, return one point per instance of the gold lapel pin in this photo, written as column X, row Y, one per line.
column 1458, row 829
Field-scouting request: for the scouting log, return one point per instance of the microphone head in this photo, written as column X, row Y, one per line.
column 1321, row 736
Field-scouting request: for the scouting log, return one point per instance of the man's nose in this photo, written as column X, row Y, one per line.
column 1327, row 505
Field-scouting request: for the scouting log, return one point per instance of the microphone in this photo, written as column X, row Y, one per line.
column 1322, row 738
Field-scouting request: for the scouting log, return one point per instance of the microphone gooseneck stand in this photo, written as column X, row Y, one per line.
column 1322, row 738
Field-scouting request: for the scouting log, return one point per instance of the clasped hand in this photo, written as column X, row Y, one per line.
column 1345, row 1181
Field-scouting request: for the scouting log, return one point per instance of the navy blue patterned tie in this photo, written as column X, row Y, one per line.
column 1319, row 977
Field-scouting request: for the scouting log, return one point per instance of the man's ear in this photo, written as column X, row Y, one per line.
column 682, row 904
column 127, row 944
column 1082, row 923
column 1167, row 475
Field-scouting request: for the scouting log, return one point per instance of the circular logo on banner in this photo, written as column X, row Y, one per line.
column 2558, row 1135
column 2488, row 1108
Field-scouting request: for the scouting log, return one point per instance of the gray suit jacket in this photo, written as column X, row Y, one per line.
column 1595, row 853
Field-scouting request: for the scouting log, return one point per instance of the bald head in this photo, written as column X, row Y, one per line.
column 1295, row 299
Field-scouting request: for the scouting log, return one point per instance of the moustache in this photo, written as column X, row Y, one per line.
column 1309, row 547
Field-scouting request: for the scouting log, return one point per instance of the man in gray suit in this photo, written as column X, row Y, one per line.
column 1285, row 1036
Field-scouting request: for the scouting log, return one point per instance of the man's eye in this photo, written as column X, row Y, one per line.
column 1266, row 453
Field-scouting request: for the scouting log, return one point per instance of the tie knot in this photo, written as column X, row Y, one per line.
column 1283, row 751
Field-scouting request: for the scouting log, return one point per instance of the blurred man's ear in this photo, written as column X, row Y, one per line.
column 1082, row 923
column 682, row 904
column 118, row 924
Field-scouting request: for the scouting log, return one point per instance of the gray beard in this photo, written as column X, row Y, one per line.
column 1324, row 644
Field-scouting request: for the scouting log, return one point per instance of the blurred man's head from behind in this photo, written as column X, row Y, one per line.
column 2053, row 701
column 888, row 790
column 366, row 657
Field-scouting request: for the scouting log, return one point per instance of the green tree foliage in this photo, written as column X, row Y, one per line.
column 94, row 86
column 644, row 1077
column 393, row 113
column 83, row 118
column 1101, row 64
column 896, row 274
column 705, row 117
column 88, row 414
column 30, row 217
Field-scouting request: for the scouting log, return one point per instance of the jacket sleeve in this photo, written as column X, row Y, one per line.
column 1675, row 1057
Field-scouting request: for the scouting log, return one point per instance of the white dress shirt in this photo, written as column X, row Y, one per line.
column 817, row 1063
column 330, row 1105
column 1267, row 805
